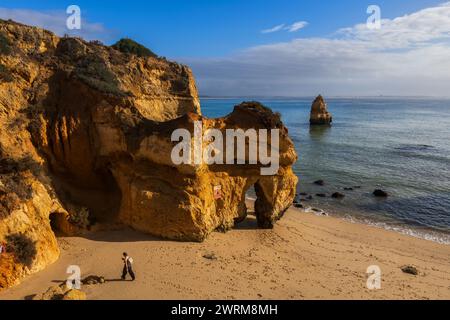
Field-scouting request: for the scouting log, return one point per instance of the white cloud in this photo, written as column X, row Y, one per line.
column 56, row 21
column 274, row 29
column 409, row 55
column 297, row 26
column 291, row 28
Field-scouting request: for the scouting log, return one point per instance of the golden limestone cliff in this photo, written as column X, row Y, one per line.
column 87, row 140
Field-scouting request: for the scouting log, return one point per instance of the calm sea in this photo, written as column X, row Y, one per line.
column 395, row 144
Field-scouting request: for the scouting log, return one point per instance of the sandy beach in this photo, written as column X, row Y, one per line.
column 304, row 257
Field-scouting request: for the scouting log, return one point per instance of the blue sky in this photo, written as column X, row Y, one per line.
column 193, row 28
column 222, row 37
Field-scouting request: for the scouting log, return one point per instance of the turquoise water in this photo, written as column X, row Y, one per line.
column 398, row 145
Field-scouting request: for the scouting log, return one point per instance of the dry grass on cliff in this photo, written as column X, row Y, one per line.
column 22, row 247
column 5, row 74
column 14, row 186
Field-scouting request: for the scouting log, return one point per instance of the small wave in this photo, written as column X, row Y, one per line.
column 429, row 235
column 318, row 212
column 414, row 147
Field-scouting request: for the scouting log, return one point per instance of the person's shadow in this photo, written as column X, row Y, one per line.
column 106, row 280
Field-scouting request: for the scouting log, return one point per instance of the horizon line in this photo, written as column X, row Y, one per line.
column 313, row 96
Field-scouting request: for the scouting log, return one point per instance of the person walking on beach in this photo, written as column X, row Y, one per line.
column 127, row 266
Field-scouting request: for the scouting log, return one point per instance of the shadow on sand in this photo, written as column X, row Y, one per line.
column 122, row 235
column 249, row 223
column 106, row 280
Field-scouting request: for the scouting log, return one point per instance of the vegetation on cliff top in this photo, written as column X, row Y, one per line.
column 127, row 45
column 5, row 45
column 98, row 76
column 90, row 64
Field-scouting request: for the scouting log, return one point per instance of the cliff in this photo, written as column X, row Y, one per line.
column 85, row 141
column 319, row 112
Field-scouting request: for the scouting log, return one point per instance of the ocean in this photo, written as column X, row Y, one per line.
column 400, row 145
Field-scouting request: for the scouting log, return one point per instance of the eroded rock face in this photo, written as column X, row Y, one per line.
column 178, row 201
column 49, row 90
column 86, row 128
column 319, row 113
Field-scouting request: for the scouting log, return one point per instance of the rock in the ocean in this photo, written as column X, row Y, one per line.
column 298, row 205
column 321, row 195
column 319, row 182
column 338, row 195
column 319, row 113
column 380, row 193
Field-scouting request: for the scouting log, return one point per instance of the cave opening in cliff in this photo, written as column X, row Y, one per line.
column 99, row 195
column 247, row 219
column 56, row 222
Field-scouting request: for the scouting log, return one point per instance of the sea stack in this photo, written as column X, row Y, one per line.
column 319, row 113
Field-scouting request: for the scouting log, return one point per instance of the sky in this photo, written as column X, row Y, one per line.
column 274, row 47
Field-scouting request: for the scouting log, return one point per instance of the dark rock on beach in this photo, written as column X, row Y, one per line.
column 91, row 280
column 410, row 270
column 210, row 256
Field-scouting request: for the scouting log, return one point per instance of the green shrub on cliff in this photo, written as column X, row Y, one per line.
column 86, row 61
column 130, row 46
column 5, row 74
column 5, row 45
column 97, row 75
